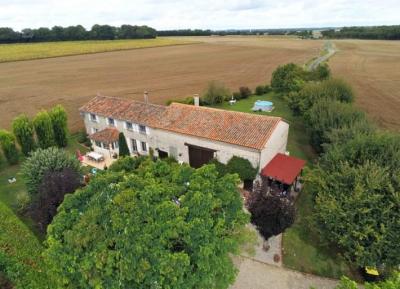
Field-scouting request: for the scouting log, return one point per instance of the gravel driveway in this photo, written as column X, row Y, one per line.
column 256, row 275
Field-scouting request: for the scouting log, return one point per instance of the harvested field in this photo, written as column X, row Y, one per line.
column 166, row 72
column 373, row 69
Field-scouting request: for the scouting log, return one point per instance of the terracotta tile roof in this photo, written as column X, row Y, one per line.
column 239, row 128
column 107, row 135
column 125, row 109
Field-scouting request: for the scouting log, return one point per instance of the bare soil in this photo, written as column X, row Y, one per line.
column 166, row 72
column 373, row 69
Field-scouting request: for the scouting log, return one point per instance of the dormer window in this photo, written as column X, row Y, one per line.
column 142, row 129
column 111, row 121
column 93, row 117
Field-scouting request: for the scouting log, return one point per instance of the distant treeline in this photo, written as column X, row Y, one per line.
column 200, row 32
column 78, row 32
column 373, row 32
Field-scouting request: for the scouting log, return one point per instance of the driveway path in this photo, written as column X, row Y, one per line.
column 330, row 49
column 257, row 275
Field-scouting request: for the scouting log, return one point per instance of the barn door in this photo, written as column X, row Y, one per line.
column 199, row 156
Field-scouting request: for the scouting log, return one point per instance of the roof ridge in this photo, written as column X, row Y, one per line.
column 227, row 111
column 130, row 100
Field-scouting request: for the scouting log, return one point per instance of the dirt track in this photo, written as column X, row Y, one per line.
column 373, row 69
column 166, row 72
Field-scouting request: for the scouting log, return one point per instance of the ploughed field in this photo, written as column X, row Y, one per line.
column 373, row 69
column 166, row 72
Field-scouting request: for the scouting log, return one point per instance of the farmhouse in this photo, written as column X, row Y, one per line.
column 189, row 133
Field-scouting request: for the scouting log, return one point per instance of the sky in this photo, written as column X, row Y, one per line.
column 199, row 14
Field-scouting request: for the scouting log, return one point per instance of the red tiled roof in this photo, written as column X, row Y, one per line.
column 107, row 135
column 125, row 109
column 239, row 128
column 242, row 129
column 283, row 168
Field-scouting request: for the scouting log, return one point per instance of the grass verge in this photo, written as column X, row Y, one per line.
column 29, row 51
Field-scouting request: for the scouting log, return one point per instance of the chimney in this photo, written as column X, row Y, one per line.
column 196, row 100
column 146, row 97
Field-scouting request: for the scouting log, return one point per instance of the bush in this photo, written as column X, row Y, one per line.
column 43, row 161
column 259, row 90
column 7, row 142
column 20, row 254
column 312, row 92
column 242, row 167
column 215, row 93
column 220, row 167
column 326, row 116
column 44, row 130
column 236, row 95
column 59, row 119
column 127, row 164
column 23, row 131
column 82, row 137
column 122, row 145
column 244, row 91
column 288, row 77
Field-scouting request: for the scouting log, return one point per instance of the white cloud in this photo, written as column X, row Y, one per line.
column 212, row 14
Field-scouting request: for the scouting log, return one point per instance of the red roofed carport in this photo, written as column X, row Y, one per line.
column 283, row 169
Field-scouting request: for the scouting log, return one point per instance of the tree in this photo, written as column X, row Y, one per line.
column 270, row 214
column 312, row 92
column 43, row 161
column 326, row 116
column 7, row 142
column 127, row 164
column 102, row 32
column 286, row 78
column 244, row 91
column 357, row 207
column 44, row 129
column 242, row 167
column 23, row 131
column 8, row 35
column 123, row 146
column 215, row 93
column 164, row 225
column 59, row 119
column 54, row 186
column 391, row 283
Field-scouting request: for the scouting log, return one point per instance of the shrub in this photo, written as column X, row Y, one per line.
column 242, row 167
column 44, row 130
column 7, row 142
column 182, row 233
column 326, row 116
column 187, row 100
column 312, row 92
column 215, row 93
column 127, row 164
column 122, row 145
column 82, row 137
column 220, row 167
column 43, row 161
column 259, row 90
column 54, row 186
column 288, row 77
column 59, row 119
column 23, row 131
column 236, row 95
column 244, row 91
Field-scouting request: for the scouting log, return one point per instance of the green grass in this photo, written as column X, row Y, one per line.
column 28, row 51
column 302, row 248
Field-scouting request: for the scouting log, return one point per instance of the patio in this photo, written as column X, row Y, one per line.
column 106, row 162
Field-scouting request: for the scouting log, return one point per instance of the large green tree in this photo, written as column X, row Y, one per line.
column 23, row 131
column 288, row 77
column 164, row 225
column 358, row 207
column 7, row 143
column 59, row 119
column 44, row 129
column 122, row 145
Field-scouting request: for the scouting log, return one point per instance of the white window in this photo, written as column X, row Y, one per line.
column 111, row 121
column 129, row 125
column 93, row 117
column 98, row 144
column 142, row 129
column 134, row 145
column 144, row 146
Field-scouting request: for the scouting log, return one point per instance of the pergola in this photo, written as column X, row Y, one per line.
column 282, row 174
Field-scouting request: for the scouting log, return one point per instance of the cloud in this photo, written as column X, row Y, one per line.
column 205, row 14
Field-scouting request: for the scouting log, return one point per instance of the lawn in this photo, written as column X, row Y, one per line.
column 27, row 51
column 302, row 249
